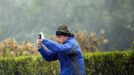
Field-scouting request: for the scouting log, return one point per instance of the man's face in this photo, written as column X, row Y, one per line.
column 61, row 39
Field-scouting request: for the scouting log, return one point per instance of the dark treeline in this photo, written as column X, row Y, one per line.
column 24, row 19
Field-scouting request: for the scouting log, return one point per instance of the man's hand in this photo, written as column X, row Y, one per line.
column 39, row 41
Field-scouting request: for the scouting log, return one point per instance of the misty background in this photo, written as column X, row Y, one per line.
column 24, row 19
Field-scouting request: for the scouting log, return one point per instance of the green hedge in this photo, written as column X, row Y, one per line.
column 28, row 65
column 100, row 63
column 110, row 63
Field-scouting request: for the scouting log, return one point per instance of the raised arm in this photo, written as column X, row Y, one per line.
column 48, row 54
column 68, row 47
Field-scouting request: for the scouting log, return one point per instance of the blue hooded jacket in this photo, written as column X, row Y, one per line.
column 69, row 55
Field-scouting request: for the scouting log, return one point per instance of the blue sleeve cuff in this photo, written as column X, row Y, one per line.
column 41, row 49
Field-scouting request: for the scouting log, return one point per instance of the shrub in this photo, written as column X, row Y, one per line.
column 10, row 47
column 110, row 63
column 91, row 42
column 88, row 43
column 27, row 65
column 99, row 63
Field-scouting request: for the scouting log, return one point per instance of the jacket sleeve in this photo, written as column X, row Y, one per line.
column 68, row 47
column 48, row 54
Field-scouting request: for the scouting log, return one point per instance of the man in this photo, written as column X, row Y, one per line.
column 66, row 50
